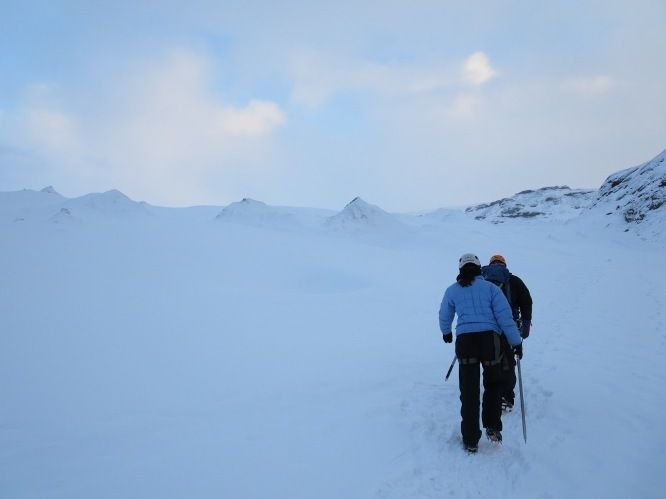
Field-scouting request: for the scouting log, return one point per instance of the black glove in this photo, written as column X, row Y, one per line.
column 518, row 350
column 447, row 337
column 525, row 329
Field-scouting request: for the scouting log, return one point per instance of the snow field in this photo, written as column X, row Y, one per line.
column 175, row 355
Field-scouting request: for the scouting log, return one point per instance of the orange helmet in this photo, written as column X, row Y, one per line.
column 497, row 258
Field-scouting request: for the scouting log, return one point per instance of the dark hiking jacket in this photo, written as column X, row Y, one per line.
column 521, row 298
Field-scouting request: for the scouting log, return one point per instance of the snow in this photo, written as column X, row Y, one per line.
column 18, row 205
column 359, row 216
column 257, row 213
column 49, row 190
column 154, row 352
column 112, row 203
column 635, row 198
column 559, row 202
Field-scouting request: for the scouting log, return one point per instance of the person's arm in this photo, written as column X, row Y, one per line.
column 447, row 311
column 504, row 317
column 524, row 301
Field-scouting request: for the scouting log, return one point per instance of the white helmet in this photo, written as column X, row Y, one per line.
column 468, row 258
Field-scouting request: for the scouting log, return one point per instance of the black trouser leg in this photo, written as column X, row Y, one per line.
column 469, row 379
column 509, row 383
column 492, row 397
column 508, row 372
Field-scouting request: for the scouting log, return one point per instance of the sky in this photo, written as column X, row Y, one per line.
column 411, row 105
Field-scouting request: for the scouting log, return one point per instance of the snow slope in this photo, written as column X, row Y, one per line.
column 37, row 206
column 256, row 213
column 548, row 202
column 631, row 200
column 368, row 222
column 635, row 199
column 18, row 206
column 112, row 203
column 174, row 356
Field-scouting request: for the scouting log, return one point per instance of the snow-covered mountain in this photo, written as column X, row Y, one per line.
column 629, row 200
column 560, row 203
column 49, row 190
column 25, row 204
column 257, row 213
column 251, row 211
column 110, row 203
column 48, row 205
column 189, row 358
column 359, row 216
column 635, row 198
column 178, row 356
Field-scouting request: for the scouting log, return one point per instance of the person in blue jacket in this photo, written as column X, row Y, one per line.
column 483, row 315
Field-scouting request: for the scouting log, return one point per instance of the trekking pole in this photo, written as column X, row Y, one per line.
column 453, row 363
column 522, row 399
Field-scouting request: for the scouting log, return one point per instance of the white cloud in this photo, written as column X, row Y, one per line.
column 257, row 118
column 317, row 76
column 42, row 123
column 465, row 106
column 591, row 86
column 159, row 128
column 53, row 130
column 477, row 69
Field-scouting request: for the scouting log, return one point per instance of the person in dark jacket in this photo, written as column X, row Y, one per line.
column 484, row 316
column 520, row 300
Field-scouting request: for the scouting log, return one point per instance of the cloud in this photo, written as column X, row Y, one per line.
column 477, row 69
column 317, row 76
column 53, row 130
column 257, row 118
column 465, row 106
column 590, row 86
column 158, row 127
column 43, row 124
column 170, row 114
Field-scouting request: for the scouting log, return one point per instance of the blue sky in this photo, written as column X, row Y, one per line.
column 412, row 105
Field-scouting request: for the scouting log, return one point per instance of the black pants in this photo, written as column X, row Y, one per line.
column 508, row 372
column 474, row 350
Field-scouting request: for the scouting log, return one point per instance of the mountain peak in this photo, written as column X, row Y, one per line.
column 49, row 190
column 111, row 202
column 359, row 202
column 249, row 211
column 250, row 202
column 559, row 202
column 358, row 214
column 115, row 194
column 357, row 207
column 637, row 193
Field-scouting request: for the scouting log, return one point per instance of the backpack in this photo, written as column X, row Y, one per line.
column 501, row 277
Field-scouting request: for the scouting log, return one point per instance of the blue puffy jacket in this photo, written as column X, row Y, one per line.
column 481, row 306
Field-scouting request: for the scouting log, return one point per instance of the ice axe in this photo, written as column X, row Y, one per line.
column 522, row 399
column 448, row 373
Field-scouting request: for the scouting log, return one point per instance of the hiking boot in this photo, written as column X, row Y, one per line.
column 507, row 405
column 471, row 448
column 495, row 436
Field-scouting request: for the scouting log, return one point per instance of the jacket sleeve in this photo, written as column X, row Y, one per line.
column 447, row 311
column 504, row 317
column 523, row 299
